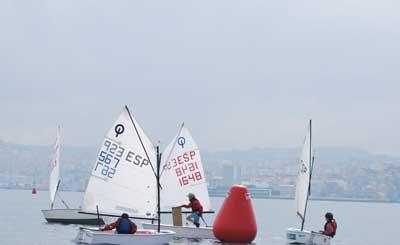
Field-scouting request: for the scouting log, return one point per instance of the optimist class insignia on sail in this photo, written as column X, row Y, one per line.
column 119, row 129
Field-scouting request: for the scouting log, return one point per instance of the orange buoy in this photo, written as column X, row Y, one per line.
column 34, row 190
column 235, row 221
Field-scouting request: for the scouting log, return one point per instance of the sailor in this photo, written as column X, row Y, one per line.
column 197, row 210
column 123, row 225
column 330, row 225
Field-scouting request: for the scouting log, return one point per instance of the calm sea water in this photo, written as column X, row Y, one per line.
column 21, row 220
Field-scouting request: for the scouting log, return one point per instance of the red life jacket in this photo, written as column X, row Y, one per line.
column 196, row 205
column 333, row 225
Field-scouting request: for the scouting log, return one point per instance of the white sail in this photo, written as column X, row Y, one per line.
column 304, row 175
column 55, row 169
column 123, row 179
column 182, row 173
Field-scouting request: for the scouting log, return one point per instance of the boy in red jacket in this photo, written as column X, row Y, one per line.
column 330, row 225
column 197, row 210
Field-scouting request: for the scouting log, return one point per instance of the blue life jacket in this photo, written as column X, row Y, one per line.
column 124, row 226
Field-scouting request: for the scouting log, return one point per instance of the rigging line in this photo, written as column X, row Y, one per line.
column 55, row 194
column 204, row 221
column 173, row 147
column 156, row 174
column 116, row 216
column 141, row 142
column 65, row 204
column 311, row 171
column 59, row 196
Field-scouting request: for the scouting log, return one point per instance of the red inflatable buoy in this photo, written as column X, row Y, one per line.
column 235, row 221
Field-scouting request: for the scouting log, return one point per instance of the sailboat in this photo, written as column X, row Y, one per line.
column 303, row 186
column 67, row 215
column 124, row 180
column 183, row 173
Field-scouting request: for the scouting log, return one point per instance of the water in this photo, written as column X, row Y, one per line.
column 21, row 220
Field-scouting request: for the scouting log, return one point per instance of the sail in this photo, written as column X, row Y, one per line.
column 182, row 173
column 304, row 175
column 55, row 169
column 122, row 179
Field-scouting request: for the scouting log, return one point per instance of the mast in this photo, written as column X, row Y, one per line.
column 311, row 160
column 158, row 188
column 157, row 172
column 52, row 203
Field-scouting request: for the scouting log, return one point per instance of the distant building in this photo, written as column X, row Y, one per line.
column 284, row 190
column 215, row 181
column 231, row 174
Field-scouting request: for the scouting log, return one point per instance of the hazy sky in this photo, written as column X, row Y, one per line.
column 240, row 73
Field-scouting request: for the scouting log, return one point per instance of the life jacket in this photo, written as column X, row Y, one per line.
column 124, row 226
column 334, row 226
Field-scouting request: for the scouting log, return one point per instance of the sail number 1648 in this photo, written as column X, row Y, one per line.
column 194, row 177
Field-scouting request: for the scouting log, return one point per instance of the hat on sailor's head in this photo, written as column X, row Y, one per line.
column 329, row 215
column 191, row 196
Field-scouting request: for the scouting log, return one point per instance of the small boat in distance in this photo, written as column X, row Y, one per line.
column 124, row 180
column 183, row 173
column 303, row 185
column 64, row 216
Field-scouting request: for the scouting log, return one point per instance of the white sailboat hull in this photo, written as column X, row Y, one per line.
column 296, row 236
column 185, row 231
column 70, row 216
column 148, row 237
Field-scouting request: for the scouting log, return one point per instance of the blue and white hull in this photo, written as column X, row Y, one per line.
column 298, row 237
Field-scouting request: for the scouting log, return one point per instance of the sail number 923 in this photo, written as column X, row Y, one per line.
column 110, row 156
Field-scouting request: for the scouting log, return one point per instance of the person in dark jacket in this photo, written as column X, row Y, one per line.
column 197, row 210
column 123, row 225
column 330, row 225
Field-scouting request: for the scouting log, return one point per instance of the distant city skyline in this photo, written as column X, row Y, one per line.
column 239, row 74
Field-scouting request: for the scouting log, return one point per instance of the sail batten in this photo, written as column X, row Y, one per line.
column 122, row 179
column 182, row 173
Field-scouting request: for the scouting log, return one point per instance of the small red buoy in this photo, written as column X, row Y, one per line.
column 34, row 190
column 235, row 221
